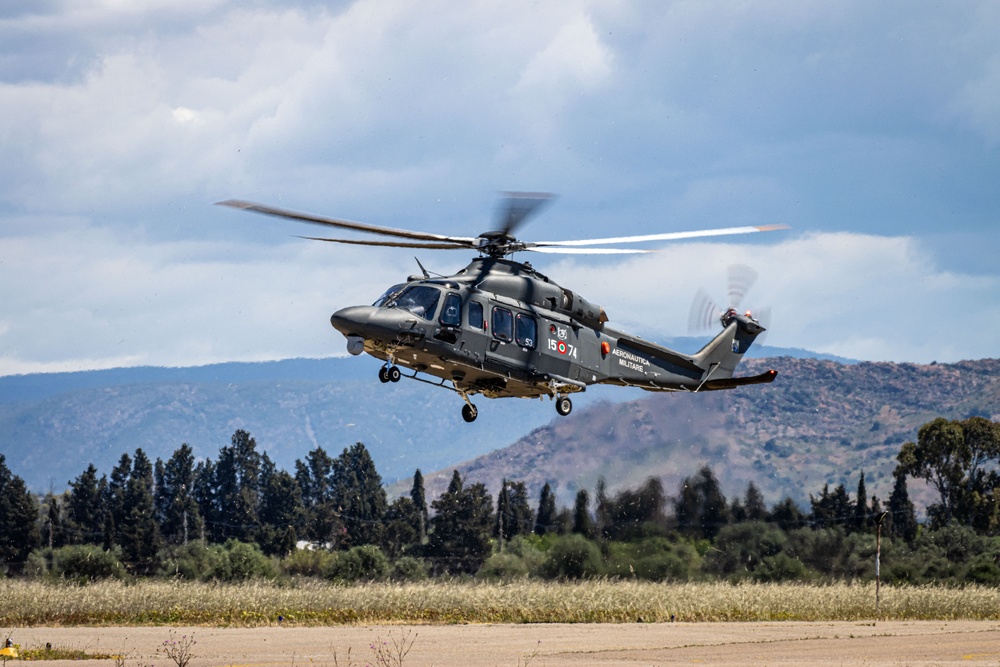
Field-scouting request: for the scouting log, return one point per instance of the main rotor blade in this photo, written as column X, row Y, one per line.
column 587, row 251
column 667, row 236
column 391, row 244
column 516, row 207
column 343, row 224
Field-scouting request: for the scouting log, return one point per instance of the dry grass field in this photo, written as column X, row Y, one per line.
column 518, row 624
column 257, row 604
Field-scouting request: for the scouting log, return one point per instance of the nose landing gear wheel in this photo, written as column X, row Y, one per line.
column 564, row 406
column 469, row 412
column 383, row 374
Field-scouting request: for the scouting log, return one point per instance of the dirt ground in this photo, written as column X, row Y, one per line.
column 822, row 644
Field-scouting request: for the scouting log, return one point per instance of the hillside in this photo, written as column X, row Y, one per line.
column 820, row 422
column 53, row 424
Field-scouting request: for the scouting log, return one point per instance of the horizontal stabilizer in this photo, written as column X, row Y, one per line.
column 729, row 383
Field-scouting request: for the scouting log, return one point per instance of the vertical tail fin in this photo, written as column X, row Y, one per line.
column 724, row 352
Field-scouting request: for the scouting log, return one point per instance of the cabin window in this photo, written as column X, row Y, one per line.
column 476, row 319
column 526, row 331
column 451, row 314
column 503, row 324
column 420, row 300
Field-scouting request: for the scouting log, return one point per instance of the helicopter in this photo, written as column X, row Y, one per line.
column 499, row 328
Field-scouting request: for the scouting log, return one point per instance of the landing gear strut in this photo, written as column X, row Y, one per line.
column 469, row 411
column 564, row 406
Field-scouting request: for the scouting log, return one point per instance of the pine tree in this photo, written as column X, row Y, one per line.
column 114, row 497
column 359, row 497
column 603, row 511
column 84, row 509
column 547, row 514
column 237, row 488
column 459, row 540
column 522, row 516
column 753, row 504
column 282, row 516
column 176, row 498
column 787, row 515
column 902, row 518
column 861, row 506
column 701, row 507
column 18, row 520
column 832, row 508
column 715, row 513
column 315, row 480
column 402, row 528
column 205, row 494
column 582, row 523
column 139, row 534
column 502, row 529
column 419, row 499
column 53, row 533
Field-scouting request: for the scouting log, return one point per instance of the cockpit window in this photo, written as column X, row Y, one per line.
column 420, row 300
column 389, row 293
column 451, row 314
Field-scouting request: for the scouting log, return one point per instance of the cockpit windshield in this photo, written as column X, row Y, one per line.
column 420, row 300
column 388, row 294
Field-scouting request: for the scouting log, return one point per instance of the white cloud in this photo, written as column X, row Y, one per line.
column 86, row 298
column 855, row 295
column 123, row 121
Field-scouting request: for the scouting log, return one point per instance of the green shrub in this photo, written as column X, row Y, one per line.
column 408, row 568
column 984, row 571
column 195, row 561
column 364, row 563
column 573, row 557
column 247, row 561
column 781, row 567
column 82, row 562
column 234, row 561
column 653, row 559
column 307, row 562
column 741, row 548
column 503, row 567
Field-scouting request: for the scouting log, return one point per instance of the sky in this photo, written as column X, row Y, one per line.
column 872, row 129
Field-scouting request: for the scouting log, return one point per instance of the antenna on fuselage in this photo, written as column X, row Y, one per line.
column 422, row 269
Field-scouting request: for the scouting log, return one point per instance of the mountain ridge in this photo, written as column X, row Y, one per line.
column 821, row 422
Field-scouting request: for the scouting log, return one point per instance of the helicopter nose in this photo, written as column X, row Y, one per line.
column 352, row 320
column 370, row 322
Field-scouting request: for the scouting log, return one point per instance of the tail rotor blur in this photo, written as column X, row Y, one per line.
column 706, row 313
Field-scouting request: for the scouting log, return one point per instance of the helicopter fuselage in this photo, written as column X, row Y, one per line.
column 501, row 329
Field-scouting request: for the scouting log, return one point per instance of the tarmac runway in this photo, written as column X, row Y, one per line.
column 869, row 644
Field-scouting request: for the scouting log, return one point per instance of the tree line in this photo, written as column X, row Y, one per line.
column 240, row 515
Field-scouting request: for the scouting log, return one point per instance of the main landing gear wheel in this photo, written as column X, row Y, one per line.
column 469, row 412
column 389, row 374
column 564, row 406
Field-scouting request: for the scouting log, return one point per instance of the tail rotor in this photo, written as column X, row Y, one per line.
column 706, row 312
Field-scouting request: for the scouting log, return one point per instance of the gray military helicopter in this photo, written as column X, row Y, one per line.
column 501, row 329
